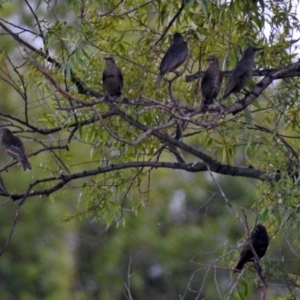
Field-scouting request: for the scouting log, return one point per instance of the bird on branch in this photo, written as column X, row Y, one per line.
column 112, row 78
column 242, row 73
column 175, row 56
column 210, row 85
column 260, row 241
column 13, row 146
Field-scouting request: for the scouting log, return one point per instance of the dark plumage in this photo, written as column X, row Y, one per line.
column 242, row 73
column 211, row 83
column 175, row 56
column 14, row 147
column 112, row 78
column 260, row 242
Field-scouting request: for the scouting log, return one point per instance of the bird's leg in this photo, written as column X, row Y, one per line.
column 173, row 99
column 107, row 97
column 257, row 267
column 125, row 100
column 203, row 107
column 177, row 74
column 215, row 107
column 245, row 91
column 236, row 96
column 222, row 110
column 212, row 108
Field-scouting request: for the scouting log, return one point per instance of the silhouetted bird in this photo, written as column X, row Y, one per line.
column 242, row 73
column 260, row 242
column 14, row 147
column 175, row 56
column 211, row 83
column 112, row 78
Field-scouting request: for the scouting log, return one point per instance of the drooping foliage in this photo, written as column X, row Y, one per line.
column 110, row 157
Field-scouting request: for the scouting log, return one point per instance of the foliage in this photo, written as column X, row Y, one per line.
column 113, row 158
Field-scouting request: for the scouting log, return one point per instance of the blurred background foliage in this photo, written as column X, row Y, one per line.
column 173, row 235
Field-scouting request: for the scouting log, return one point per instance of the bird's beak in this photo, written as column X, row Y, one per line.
column 258, row 49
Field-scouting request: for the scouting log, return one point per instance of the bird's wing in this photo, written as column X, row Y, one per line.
column 205, row 78
column 229, row 87
column 238, row 73
column 18, row 153
column 103, row 76
column 240, row 70
column 15, row 149
column 245, row 256
column 120, row 78
column 173, row 58
column 220, row 79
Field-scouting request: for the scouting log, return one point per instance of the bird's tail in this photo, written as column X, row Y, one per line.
column 159, row 79
column 239, row 266
column 25, row 164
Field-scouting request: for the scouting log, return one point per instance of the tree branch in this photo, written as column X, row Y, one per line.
column 189, row 167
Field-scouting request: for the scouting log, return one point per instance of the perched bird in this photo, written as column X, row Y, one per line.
column 260, row 242
column 211, row 83
column 175, row 56
column 242, row 73
column 14, row 147
column 112, row 78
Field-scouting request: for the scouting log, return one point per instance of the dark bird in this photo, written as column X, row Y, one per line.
column 260, row 242
column 14, row 147
column 242, row 73
column 211, row 83
column 112, row 78
column 175, row 56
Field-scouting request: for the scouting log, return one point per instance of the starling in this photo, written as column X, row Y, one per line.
column 242, row 73
column 175, row 56
column 112, row 78
column 14, row 147
column 260, row 242
column 211, row 83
